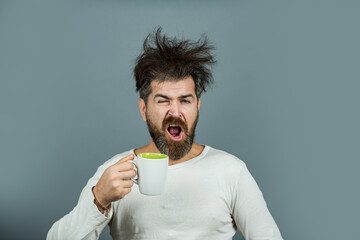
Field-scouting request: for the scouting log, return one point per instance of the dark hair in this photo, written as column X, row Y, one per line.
column 165, row 59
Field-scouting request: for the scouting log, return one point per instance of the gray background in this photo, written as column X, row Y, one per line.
column 286, row 101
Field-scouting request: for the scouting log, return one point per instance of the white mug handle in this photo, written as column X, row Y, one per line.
column 135, row 180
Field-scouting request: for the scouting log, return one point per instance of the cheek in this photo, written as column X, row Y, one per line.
column 157, row 117
column 161, row 114
column 191, row 115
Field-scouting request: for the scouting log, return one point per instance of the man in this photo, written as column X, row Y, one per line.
column 209, row 193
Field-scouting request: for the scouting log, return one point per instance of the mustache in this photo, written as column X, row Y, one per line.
column 174, row 121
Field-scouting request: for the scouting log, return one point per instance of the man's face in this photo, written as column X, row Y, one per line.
column 171, row 114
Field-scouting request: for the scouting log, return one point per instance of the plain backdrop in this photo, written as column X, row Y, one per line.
column 285, row 101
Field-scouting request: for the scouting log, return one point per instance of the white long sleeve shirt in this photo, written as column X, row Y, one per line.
column 207, row 197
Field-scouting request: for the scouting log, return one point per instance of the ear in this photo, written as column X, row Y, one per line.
column 199, row 102
column 142, row 108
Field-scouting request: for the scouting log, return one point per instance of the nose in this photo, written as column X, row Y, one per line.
column 174, row 110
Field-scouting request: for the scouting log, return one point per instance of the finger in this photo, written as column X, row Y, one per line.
column 128, row 183
column 125, row 159
column 122, row 167
column 127, row 174
column 126, row 191
column 121, row 193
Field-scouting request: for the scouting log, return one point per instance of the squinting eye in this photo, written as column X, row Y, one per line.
column 162, row 101
column 185, row 101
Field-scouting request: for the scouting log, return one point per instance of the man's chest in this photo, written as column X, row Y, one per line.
column 194, row 203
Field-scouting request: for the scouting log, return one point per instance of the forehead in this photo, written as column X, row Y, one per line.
column 173, row 88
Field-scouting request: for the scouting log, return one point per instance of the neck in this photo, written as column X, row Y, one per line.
column 195, row 151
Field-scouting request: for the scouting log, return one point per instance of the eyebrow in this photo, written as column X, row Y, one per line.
column 161, row 95
column 186, row 96
column 166, row 97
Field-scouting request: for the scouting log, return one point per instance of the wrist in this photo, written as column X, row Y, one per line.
column 103, row 208
column 99, row 198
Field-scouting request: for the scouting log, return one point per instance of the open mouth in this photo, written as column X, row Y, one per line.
column 175, row 132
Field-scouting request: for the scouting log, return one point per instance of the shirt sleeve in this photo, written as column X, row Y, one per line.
column 250, row 211
column 85, row 221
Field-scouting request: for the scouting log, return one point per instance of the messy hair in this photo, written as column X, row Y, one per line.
column 171, row 59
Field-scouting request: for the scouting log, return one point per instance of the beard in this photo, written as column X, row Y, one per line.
column 175, row 150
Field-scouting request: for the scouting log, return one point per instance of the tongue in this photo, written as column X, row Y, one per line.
column 174, row 131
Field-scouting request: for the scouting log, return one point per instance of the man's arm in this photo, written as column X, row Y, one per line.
column 250, row 212
column 85, row 221
column 90, row 216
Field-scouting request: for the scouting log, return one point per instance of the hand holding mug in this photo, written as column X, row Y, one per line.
column 115, row 183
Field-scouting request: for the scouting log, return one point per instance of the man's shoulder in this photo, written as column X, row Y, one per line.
column 224, row 157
